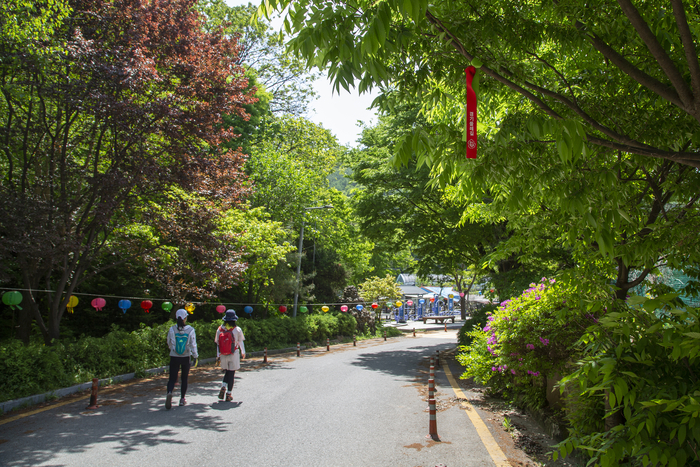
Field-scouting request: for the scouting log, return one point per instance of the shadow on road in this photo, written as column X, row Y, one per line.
column 221, row 405
column 406, row 363
column 129, row 419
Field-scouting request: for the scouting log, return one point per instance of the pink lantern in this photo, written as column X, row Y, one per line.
column 409, row 303
column 344, row 308
column 375, row 306
column 283, row 309
column 146, row 305
column 461, row 294
column 220, row 308
column 98, row 303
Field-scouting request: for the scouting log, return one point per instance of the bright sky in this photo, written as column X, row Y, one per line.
column 339, row 113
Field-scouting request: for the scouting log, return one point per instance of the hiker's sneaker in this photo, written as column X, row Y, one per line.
column 183, row 401
column 222, row 392
column 229, row 397
column 168, row 401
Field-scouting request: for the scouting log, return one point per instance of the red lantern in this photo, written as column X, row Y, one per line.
column 146, row 305
column 344, row 308
column 98, row 303
column 432, row 299
column 491, row 290
column 220, row 308
column 374, row 305
column 283, row 309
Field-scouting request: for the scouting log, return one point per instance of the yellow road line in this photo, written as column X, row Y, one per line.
column 489, row 442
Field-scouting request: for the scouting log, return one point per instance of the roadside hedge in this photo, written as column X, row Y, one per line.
column 36, row 368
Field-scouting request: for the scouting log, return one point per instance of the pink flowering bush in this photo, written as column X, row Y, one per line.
column 527, row 339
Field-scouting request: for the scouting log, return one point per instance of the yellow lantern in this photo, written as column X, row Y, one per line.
column 72, row 303
column 189, row 307
column 451, row 295
column 398, row 304
column 325, row 308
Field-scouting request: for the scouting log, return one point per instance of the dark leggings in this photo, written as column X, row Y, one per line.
column 175, row 364
column 228, row 379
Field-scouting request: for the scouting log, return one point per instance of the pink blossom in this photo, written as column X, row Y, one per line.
column 544, row 341
column 530, row 346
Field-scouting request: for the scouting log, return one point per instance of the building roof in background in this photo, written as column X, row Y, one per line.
column 406, row 279
column 412, row 291
column 443, row 292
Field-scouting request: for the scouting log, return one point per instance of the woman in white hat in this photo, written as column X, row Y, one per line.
column 182, row 342
column 229, row 350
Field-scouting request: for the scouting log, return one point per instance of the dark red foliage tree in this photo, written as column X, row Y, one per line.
column 110, row 153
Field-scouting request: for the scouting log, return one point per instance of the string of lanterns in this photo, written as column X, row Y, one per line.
column 14, row 298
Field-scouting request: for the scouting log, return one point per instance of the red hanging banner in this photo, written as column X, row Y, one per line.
column 471, row 114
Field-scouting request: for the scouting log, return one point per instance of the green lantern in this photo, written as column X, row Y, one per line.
column 167, row 306
column 303, row 309
column 12, row 299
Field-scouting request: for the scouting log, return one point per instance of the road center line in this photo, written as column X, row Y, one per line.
column 489, row 442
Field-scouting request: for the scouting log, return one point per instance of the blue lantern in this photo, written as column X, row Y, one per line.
column 421, row 301
column 124, row 305
column 359, row 307
column 248, row 309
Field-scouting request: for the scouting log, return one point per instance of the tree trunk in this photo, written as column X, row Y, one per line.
column 23, row 326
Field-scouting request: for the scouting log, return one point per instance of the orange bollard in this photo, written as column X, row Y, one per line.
column 298, row 349
column 445, row 327
column 437, row 357
column 414, row 332
column 93, row 396
column 328, row 344
column 385, row 334
column 432, row 427
column 265, row 355
column 354, row 340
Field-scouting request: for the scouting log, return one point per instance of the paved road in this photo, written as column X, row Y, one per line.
column 352, row 406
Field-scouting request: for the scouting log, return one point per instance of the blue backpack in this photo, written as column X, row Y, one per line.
column 181, row 339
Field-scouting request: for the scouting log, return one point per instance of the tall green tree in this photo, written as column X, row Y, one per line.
column 402, row 208
column 587, row 114
column 109, row 149
column 607, row 74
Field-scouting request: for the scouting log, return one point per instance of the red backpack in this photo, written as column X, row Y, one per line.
column 227, row 344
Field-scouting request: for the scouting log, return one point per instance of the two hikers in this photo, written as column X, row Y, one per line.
column 182, row 342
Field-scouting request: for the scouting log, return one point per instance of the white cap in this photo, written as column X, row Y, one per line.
column 181, row 313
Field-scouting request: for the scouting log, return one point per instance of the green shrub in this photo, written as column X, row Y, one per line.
column 527, row 339
column 645, row 360
column 30, row 370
